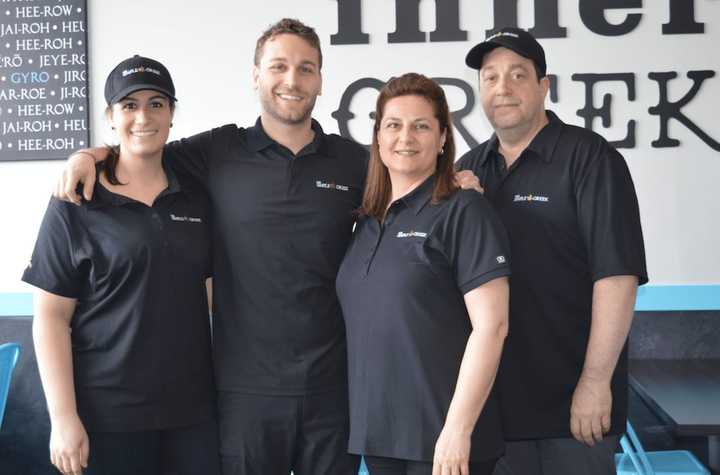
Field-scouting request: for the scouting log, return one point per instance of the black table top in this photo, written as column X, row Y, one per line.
column 684, row 392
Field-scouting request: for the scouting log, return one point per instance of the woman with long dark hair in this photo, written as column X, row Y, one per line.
column 121, row 325
column 424, row 293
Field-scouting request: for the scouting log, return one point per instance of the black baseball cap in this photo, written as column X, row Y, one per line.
column 516, row 39
column 138, row 73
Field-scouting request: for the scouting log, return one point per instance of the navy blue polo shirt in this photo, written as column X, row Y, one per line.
column 570, row 209
column 140, row 331
column 282, row 223
column 402, row 286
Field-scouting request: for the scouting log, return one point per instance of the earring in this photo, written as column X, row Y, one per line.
column 171, row 124
column 442, row 151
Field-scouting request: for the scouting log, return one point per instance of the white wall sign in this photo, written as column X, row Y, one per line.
column 642, row 74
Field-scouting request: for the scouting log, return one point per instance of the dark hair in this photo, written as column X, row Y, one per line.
column 378, row 187
column 538, row 72
column 288, row 26
column 109, row 165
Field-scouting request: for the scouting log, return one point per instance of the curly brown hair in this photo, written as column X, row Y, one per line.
column 289, row 26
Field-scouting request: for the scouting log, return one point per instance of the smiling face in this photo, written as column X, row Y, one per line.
column 288, row 79
column 409, row 138
column 142, row 122
column 511, row 95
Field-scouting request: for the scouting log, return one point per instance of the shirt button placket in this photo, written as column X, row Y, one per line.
column 373, row 251
column 159, row 228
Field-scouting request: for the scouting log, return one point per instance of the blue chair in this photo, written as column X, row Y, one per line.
column 635, row 461
column 9, row 353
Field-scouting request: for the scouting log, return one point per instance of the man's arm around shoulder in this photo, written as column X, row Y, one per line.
column 80, row 168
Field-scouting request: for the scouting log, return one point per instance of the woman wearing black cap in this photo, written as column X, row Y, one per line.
column 121, row 316
column 424, row 294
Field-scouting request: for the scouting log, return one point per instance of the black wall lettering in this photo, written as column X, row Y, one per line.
column 407, row 23
column 553, row 88
column 593, row 16
column 546, row 18
column 349, row 24
column 682, row 19
column 667, row 110
column 343, row 115
column 447, row 14
column 589, row 112
column 459, row 115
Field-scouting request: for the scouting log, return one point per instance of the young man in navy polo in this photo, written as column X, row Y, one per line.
column 283, row 194
column 569, row 206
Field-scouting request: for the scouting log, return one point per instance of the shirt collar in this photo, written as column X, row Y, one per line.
column 491, row 149
column 258, row 139
column 543, row 144
column 104, row 197
column 419, row 197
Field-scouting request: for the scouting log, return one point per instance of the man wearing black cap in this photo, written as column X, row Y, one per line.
column 568, row 202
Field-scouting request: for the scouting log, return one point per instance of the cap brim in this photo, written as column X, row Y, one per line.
column 139, row 87
column 474, row 58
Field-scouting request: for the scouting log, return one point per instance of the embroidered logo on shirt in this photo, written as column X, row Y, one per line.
column 186, row 219
column 531, row 197
column 500, row 259
column 408, row 234
column 331, row 186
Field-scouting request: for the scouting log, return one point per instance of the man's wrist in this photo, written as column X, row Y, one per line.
column 593, row 376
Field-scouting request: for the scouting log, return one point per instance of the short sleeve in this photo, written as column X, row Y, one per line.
column 609, row 217
column 54, row 265
column 475, row 242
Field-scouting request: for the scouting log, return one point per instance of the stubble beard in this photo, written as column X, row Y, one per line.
column 288, row 118
column 513, row 129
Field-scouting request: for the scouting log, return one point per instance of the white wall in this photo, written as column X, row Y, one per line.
column 208, row 48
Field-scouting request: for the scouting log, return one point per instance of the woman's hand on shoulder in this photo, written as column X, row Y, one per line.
column 467, row 180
